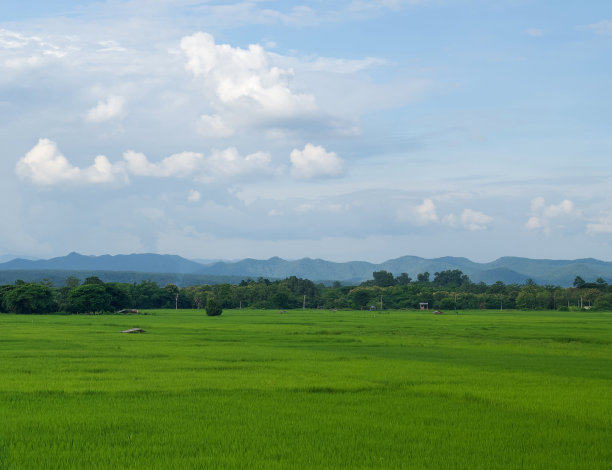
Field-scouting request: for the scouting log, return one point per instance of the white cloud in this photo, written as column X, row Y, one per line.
column 229, row 163
column 546, row 217
column 426, row 212
column 177, row 165
column 475, row 220
column 603, row 225
column 534, row 223
column 106, row 110
column 45, row 165
column 603, row 27
column 21, row 51
column 243, row 78
column 221, row 164
column 213, row 126
column 419, row 214
column 564, row 207
column 194, row 196
column 315, row 162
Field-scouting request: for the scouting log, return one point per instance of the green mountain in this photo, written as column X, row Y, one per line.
column 510, row 270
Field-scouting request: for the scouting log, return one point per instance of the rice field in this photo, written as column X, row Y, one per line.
column 317, row 389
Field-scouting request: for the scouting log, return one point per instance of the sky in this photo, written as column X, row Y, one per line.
column 343, row 130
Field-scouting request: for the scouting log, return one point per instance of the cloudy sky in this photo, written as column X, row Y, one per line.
column 344, row 130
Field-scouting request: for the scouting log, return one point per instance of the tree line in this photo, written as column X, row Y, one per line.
column 447, row 290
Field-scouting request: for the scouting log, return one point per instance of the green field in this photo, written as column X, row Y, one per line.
column 307, row 389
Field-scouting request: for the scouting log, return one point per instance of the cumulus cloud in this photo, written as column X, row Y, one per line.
column 111, row 108
column 229, row 163
column 418, row 214
column 177, row 165
column 194, row 196
column 45, row 165
column 603, row 225
column 243, row 78
column 221, row 164
column 475, row 220
column 546, row 217
column 426, row 212
column 315, row 162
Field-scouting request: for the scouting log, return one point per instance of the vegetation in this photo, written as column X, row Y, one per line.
column 307, row 389
column 449, row 290
column 213, row 308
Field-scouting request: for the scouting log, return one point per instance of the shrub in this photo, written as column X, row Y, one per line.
column 213, row 308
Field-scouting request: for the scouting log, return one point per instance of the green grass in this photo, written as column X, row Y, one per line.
column 307, row 389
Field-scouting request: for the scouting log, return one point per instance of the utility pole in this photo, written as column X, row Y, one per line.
column 381, row 302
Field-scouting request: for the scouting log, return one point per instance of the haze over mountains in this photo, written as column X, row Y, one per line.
column 507, row 269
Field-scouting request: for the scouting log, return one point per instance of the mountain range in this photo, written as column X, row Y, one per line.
column 510, row 270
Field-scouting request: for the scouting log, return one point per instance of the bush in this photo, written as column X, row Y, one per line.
column 29, row 298
column 213, row 308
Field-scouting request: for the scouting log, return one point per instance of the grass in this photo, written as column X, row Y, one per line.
column 307, row 389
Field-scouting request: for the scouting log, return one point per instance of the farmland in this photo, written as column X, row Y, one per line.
column 306, row 389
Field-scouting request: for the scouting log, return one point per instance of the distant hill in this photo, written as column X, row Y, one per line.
column 510, row 270
column 146, row 262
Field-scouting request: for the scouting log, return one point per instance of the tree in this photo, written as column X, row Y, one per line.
column 173, row 293
column 213, row 308
column 119, row 295
column 29, row 298
column 603, row 302
column 383, row 278
column 450, row 278
column 579, row 282
column 423, row 277
column 403, row 279
column 360, row 297
column 93, row 280
column 89, row 298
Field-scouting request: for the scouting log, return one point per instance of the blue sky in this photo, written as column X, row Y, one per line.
column 355, row 129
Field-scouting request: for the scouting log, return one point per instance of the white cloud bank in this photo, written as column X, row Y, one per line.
column 106, row 110
column 603, row 225
column 546, row 217
column 45, row 165
column 426, row 213
column 243, row 79
column 315, row 162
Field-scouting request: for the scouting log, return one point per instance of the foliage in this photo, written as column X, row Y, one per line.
column 213, row 308
column 29, row 298
column 89, row 298
column 449, row 289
